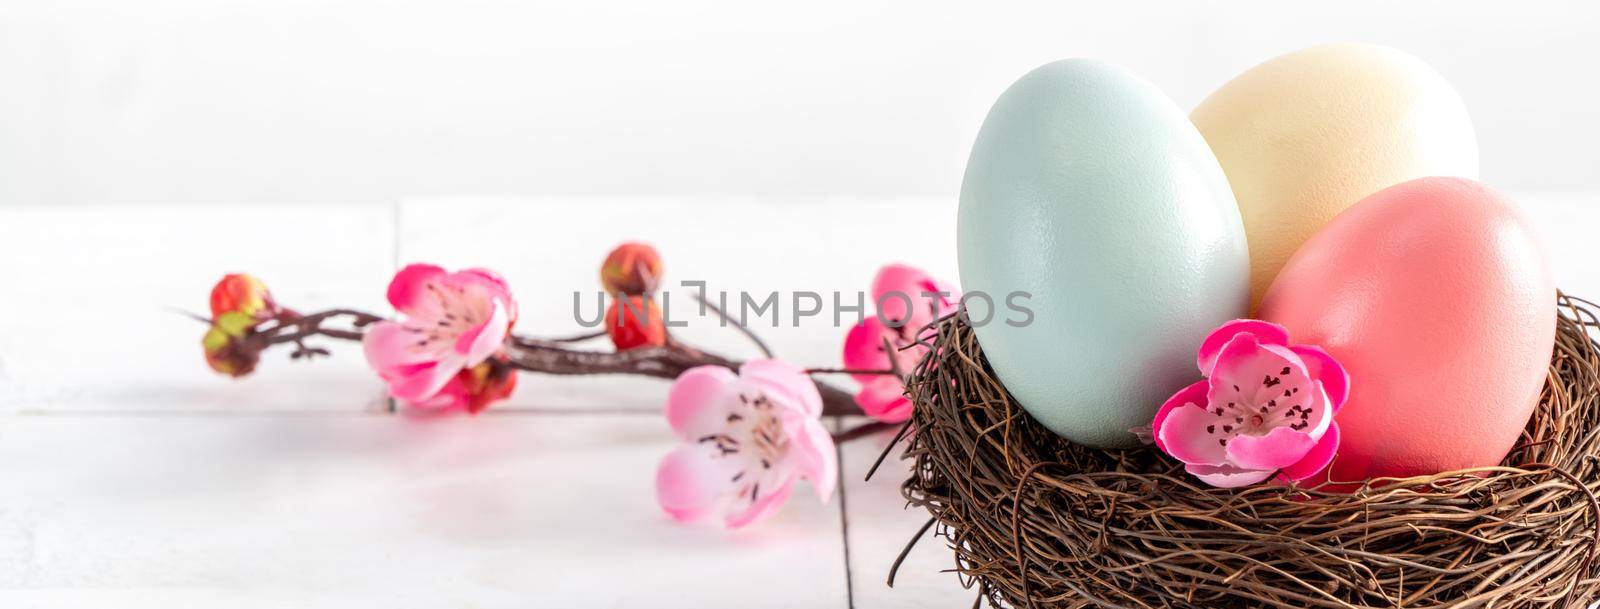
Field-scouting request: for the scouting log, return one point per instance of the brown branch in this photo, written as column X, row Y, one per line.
column 578, row 338
column 292, row 327
column 532, row 342
column 848, row 371
column 664, row 362
column 543, row 356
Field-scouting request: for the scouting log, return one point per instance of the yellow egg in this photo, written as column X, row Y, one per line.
column 1306, row 135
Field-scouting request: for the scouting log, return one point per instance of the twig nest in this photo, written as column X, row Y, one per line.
column 1037, row 521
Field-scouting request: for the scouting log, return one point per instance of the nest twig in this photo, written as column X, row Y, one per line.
column 1036, row 521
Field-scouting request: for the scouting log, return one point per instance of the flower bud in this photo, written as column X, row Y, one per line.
column 238, row 292
column 635, row 321
column 224, row 345
column 487, row 383
column 632, row 269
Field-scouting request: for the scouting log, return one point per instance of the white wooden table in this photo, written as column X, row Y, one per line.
column 132, row 477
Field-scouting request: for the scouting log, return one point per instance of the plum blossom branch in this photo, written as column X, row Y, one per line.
column 847, row 371
column 749, row 429
column 294, row 327
column 544, row 356
column 578, row 338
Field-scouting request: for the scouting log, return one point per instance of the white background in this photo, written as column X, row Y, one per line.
column 117, row 101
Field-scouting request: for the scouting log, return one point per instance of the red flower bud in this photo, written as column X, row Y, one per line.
column 241, row 293
column 632, row 268
column 239, row 303
column 487, row 383
column 635, row 321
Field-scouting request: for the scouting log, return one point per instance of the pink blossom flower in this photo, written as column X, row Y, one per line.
column 907, row 300
column 747, row 438
column 451, row 322
column 1265, row 407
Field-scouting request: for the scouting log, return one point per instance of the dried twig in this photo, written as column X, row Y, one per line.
column 760, row 344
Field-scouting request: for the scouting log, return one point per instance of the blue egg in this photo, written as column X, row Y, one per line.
column 1091, row 193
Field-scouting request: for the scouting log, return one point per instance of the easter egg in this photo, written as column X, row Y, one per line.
column 1099, row 238
column 1438, row 300
column 1305, row 135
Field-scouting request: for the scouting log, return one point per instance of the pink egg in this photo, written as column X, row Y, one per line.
column 1437, row 297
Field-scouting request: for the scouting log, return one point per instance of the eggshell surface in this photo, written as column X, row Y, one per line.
column 1305, row 135
column 1090, row 191
column 1437, row 298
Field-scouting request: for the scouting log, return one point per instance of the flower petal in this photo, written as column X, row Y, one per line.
column 1280, row 447
column 697, row 404
column 1228, row 476
column 871, row 345
column 764, row 506
column 817, row 459
column 417, row 383
column 480, row 342
column 897, row 286
column 884, row 399
column 408, row 291
column 1266, row 333
column 1321, row 410
column 389, row 345
column 690, row 483
column 1256, row 375
column 453, row 395
column 1316, row 460
column 864, row 350
column 1182, row 434
column 1322, row 367
column 413, row 374
column 784, row 382
column 490, row 283
column 1193, row 394
column 897, row 290
column 487, row 278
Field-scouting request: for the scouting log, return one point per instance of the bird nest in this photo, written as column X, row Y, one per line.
column 1037, row 521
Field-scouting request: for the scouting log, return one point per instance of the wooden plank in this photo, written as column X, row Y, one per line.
column 509, row 510
column 879, row 525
